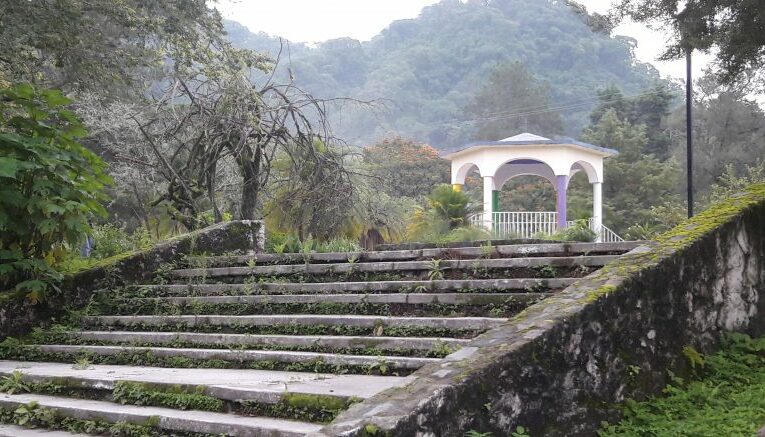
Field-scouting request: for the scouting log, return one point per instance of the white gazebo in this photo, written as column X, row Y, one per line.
column 528, row 154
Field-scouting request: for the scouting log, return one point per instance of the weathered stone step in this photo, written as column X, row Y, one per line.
column 306, row 341
column 18, row 431
column 393, row 298
column 264, row 386
column 242, row 356
column 398, row 266
column 475, row 323
column 164, row 418
column 273, row 288
column 502, row 250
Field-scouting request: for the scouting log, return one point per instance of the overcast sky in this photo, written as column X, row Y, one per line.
column 320, row 20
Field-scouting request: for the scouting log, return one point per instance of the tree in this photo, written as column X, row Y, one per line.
column 311, row 197
column 405, row 168
column 446, row 210
column 215, row 119
column 649, row 109
column 728, row 129
column 50, row 185
column 513, row 101
column 637, row 181
column 735, row 29
column 102, row 44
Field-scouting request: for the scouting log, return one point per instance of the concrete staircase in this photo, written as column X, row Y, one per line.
column 273, row 344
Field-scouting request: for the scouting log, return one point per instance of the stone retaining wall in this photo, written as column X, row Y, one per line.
column 563, row 365
column 18, row 315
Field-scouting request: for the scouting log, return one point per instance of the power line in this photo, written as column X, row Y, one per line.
column 535, row 110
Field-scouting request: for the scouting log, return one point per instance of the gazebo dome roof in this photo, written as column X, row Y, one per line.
column 524, row 137
column 529, row 139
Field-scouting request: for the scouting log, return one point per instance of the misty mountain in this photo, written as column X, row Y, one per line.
column 426, row 70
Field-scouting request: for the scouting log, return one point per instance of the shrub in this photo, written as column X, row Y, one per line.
column 446, row 210
column 579, row 231
column 452, row 206
column 278, row 242
column 49, row 185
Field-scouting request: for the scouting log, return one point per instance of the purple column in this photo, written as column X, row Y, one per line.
column 560, row 203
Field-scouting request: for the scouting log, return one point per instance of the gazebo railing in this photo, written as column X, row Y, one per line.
column 533, row 224
column 518, row 224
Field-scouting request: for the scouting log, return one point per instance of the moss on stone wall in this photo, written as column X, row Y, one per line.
column 563, row 365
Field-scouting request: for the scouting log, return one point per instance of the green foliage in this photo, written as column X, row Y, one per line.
column 578, row 231
column 512, row 89
column 111, row 239
column 32, row 415
column 49, row 186
column 728, row 398
column 314, row 196
column 450, row 205
column 693, row 356
column 728, row 127
column 732, row 30
column 14, row 383
column 474, row 433
column 405, row 168
column 435, row 270
column 83, row 45
column 134, row 393
column 447, row 210
column 638, row 181
column 280, row 243
column 520, row 432
column 729, row 184
column 649, row 109
column 82, row 363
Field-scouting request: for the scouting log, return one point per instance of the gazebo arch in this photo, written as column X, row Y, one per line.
column 529, row 154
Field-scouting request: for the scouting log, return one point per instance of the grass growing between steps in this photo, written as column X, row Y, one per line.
column 294, row 329
column 440, row 349
column 249, row 289
column 32, row 415
column 506, row 308
column 294, row 406
column 434, row 273
column 727, row 397
column 22, row 352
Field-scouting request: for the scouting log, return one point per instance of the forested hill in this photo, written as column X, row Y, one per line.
column 429, row 68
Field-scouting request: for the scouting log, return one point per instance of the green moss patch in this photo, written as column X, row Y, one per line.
column 679, row 238
column 727, row 397
column 307, row 407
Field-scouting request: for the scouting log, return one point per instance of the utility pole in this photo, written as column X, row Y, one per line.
column 689, row 127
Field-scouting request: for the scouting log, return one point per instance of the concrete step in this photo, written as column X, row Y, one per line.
column 476, row 323
column 263, row 386
column 18, row 431
column 272, row 288
column 169, row 419
column 395, row 298
column 242, row 356
column 494, row 250
column 400, row 267
column 232, row 340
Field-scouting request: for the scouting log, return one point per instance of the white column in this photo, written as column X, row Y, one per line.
column 488, row 187
column 597, row 208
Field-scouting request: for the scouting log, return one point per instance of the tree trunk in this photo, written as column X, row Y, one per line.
column 249, row 163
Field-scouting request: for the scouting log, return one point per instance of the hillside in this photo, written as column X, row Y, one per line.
column 428, row 68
